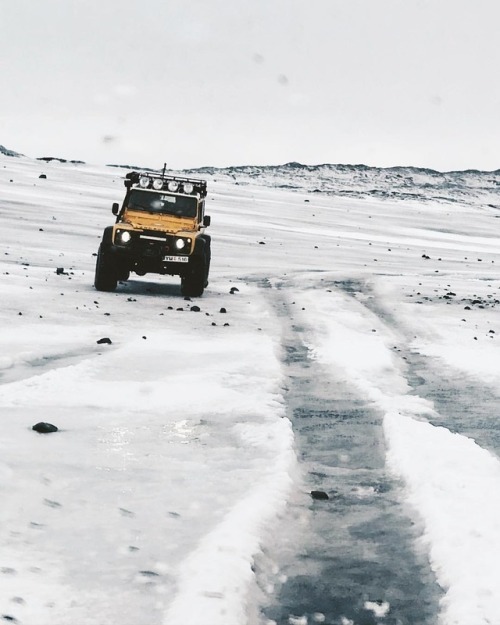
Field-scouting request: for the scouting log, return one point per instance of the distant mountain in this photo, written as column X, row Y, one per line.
column 361, row 181
column 8, row 152
column 49, row 159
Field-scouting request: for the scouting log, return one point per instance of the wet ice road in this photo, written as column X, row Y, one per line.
column 351, row 559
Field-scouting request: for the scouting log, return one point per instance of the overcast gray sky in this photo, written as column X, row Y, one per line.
column 226, row 82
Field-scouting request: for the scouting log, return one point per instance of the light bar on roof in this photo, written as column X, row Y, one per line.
column 175, row 184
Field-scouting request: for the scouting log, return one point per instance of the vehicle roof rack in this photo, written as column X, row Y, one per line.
column 174, row 184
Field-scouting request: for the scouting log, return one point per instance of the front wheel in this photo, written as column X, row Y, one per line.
column 106, row 277
column 194, row 282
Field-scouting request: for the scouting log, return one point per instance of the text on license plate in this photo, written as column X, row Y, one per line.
column 176, row 259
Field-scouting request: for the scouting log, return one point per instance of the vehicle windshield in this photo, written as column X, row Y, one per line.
column 158, row 202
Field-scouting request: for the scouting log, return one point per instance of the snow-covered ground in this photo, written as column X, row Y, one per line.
column 175, row 457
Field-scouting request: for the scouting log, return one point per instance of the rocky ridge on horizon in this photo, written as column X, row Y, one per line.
column 347, row 180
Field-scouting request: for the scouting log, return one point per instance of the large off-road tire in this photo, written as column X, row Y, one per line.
column 194, row 282
column 106, row 274
column 208, row 257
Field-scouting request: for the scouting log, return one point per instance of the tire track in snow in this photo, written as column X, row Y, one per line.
column 464, row 406
column 350, row 559
column 451, row 483
column 461, row 403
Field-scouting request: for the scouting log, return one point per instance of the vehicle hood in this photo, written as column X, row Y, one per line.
column 162, row 223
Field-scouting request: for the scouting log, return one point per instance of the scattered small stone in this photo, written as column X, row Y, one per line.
column 180, row 308
column 104, row 340
column 226, row 324
column 125, row 512
column 234, row 290
column 132, row 548
column 425, row 256
column 144, row 337
column 261, row 243
column 195, row 308
column 8, row 617
column 319, row 494
column 43, row 176
column 149, row 573
column 8, row 570
column 60, row 271
column 44, row 428
column 223, row 310
column 51, row 503
column 213, row 323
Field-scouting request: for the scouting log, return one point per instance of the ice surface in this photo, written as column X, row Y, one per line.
column 175, row 455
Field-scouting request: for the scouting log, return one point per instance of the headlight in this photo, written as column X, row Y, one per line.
column 173, row 185
column 188, row 187
column 144, row 182
column 123, row 236
column 157, row 184
column 180, row 244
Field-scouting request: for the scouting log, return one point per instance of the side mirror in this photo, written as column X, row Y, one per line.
column 206, row 220
column 115, row 208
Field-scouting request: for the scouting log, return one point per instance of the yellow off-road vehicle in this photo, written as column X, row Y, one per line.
column 160, row 228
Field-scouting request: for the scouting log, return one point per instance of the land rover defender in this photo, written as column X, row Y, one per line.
column 160, row 228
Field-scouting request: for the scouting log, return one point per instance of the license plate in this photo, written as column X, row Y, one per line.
column 176, row 259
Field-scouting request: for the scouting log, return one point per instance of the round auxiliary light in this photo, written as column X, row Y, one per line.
column 144, row 182
column 188, row 187
column 180, row 244
column 173, row 185
column 125, row 236
column 157, row 184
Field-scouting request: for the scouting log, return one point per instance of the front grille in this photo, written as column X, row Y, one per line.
column 154, row 243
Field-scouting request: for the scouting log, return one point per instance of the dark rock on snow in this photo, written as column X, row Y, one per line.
column 45, row 428
column 319, row 494
column 104, row 340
